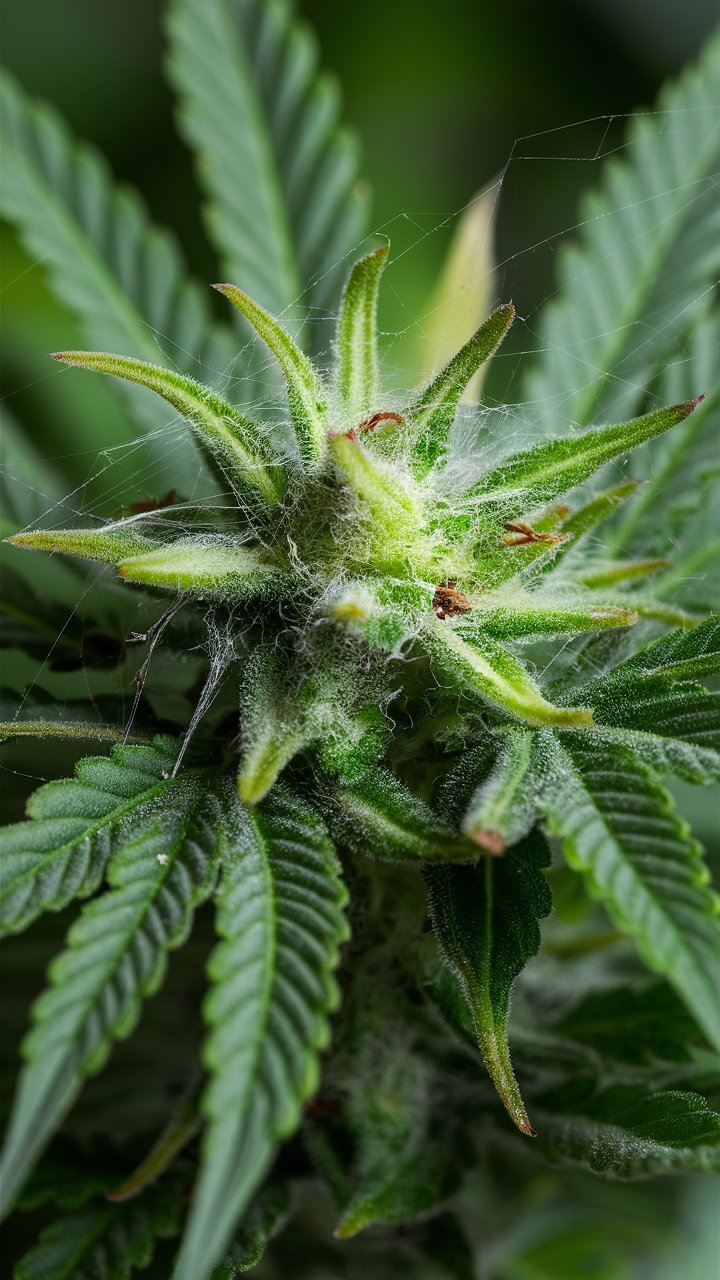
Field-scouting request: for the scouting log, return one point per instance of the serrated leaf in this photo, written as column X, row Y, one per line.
column 28, row 481
column 102, row 1241
column 357, row 357
column 307, row 396
column 552, row 467
column 120, row 276
column 61, row 852
column 238, row 446
column 670, row 722
column 279, row 174
column 649, row 249
column 266, row 1217
column 486, row 921
column 40, row 624
column 116, row 956
column 624, row 1132
column 683, row 655
column 433, row 413
column 682, row 483
column 619, row 829
column 645, row 1024
column 280, row 918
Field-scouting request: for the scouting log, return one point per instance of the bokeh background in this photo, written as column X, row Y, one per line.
column 444, row 96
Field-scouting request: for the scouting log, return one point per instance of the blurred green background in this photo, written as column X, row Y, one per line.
column 444, row 98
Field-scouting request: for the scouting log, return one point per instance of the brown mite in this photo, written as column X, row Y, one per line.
column 448, row 602
column 153, row 504
column 370, row 424
column 525, row 534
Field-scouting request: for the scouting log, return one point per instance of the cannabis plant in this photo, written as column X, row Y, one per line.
column 403, row 655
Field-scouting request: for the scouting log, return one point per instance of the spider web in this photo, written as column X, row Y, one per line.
column 151, row 461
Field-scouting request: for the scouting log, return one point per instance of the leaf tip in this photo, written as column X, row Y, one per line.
column 490, row 841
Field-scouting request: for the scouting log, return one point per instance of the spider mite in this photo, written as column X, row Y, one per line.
column 525, row 534
column 153, row 504
column 370, row 424
column 448, row 602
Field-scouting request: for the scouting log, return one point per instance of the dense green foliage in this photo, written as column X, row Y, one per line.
column 459, row 701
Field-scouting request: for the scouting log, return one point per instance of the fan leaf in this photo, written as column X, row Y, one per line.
column 115, row 957
column 102, row 1241
column 283, row 205
column 280, row 918
column 61, row 852
column 121, row 277
column 619, row 829
column 649, row 249
column 486, row 920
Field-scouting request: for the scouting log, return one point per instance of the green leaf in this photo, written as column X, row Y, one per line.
column 402, row 1166
column 531, row 616
column 597, row 509
column 675, row 731
column 433, row 413
column 619, row 829
column 115, row 957
column 121, row 277
column 376, row 816
column 504, row 806
column 683, row 480
column 280, row 918
column 285, row 708
column 464, row 292
column 35, row 716
column 108, row 544
column 357, row 355
column 645, row 1024
column 395, row 525
column 554, row 466
column 488, row 668
column 39, row 623
column 265, row 1219
column 611, row 575
column 237, row 445
column 486, row 921
column 283, row 206
column 307, row 397
column 670, row 722
column 212, row 566
column 28, row 481
column 649, row 248
column 61, row 852
column 624, row 1132
column 683, row 655
column 103, row 1241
